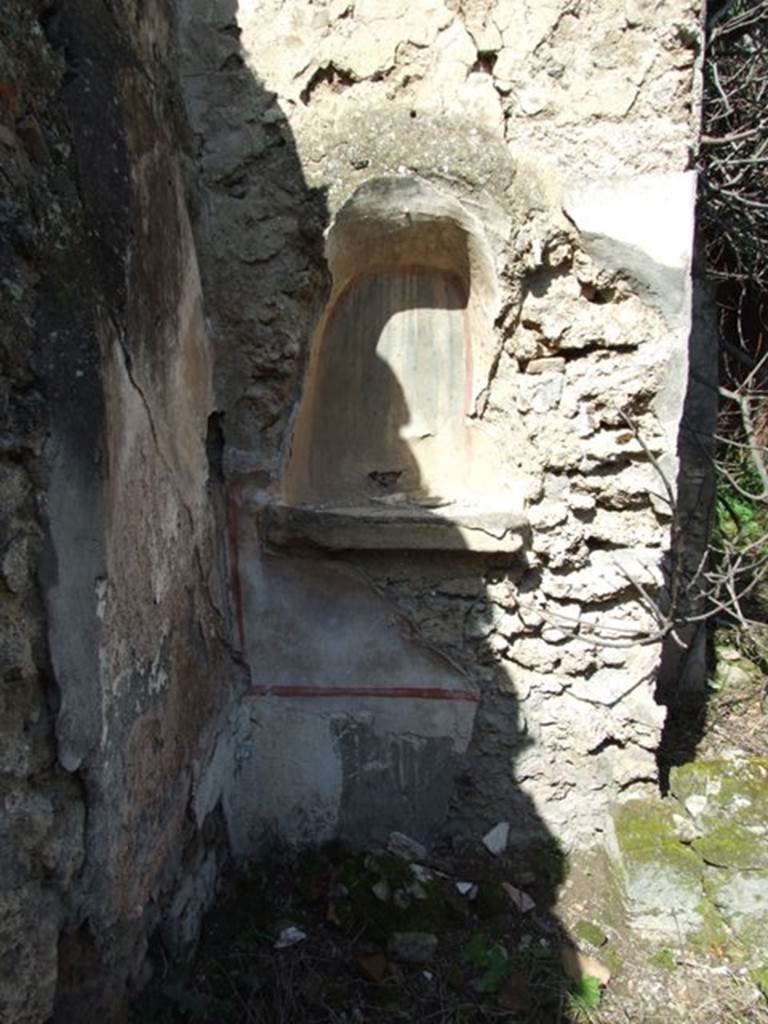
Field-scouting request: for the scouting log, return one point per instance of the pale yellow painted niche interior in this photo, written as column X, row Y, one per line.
column 385, row 430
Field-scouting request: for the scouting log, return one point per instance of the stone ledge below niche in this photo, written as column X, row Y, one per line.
column 458, row 527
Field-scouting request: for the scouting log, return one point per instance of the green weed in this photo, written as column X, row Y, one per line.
column 584, row 998
column 492, row 959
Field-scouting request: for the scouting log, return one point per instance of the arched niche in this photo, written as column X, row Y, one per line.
column 385, row 452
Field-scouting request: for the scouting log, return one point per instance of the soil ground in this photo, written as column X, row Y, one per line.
column 496, row 958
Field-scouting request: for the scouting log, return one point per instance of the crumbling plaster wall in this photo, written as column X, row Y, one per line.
column 115, row 667
column 566, row 130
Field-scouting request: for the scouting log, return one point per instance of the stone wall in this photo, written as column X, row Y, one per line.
column 563, row 131
column 115, row 670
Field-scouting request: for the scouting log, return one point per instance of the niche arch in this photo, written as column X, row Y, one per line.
column 384, row 430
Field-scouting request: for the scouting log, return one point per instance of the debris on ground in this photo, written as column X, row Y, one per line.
column 402, row 846
column 495, row 840
column 289, row 936
column 412, row 947
column 335, row 936
column 520, row 899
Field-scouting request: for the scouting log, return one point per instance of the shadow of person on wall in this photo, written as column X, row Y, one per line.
column 378, row 631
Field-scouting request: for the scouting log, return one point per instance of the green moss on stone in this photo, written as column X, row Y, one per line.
column 714, row 935
column 661, row 878
column 645, row 834
column 642, row 823
column 589, row 932
column 741, row 899
column 715, row 929
column 733, row 788
column 732, row 845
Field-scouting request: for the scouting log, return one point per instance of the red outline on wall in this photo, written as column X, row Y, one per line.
column 232, row 501
column 386, row 692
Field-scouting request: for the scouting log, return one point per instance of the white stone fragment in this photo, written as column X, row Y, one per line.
column 290, row 936
column 381, row 890
column 521, row 900
column 401, row 845
column 695, row 804
column 685, row 830
column 468, row 889
column 421, row 873
column 495, row 841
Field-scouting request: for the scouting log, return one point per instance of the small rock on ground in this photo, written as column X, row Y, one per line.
column 413, row 947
